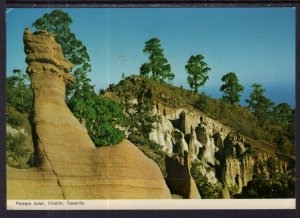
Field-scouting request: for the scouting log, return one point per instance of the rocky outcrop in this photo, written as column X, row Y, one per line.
column 68, row 165
column 163, row 136
column 179, row 178
column 226, row 157
column 194, row 145
column 224, row 194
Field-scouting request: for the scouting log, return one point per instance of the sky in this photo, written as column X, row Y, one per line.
column 258, row 44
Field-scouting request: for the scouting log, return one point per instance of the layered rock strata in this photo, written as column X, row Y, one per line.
column 68, row 165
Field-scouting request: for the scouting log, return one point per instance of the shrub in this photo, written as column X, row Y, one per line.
column 103, row 123
column 282, row 142
column 18, row 91
column 18, row 150
column 278, row 186
column 16, row 119
column 137, row 139
column 108, row 135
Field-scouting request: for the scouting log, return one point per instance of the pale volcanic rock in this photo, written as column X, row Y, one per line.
column 232, row 174
column 212, row 145
column 162, row 135
column 68, row 165
column 247, row 169
column 194, row 145
column 205, row 137
column 180, row 145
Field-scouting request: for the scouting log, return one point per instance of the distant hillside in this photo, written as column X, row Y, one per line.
column 230, row 155
column 237, row 117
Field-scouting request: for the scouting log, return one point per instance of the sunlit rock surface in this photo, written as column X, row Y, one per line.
column 225, row 156
column 68, row 165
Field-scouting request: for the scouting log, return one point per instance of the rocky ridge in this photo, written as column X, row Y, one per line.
column 227, row 159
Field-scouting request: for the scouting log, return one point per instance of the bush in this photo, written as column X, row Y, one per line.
column 137, row 139
column 103, row 123
column 16, row 119
column 19, row 148
column 278, row 186
column 282, row 143
column 108, row 135
column 18, row 92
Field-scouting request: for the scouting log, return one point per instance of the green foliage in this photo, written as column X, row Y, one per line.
column 260, row 105
column 284, row 144
column 235, row 116
column 231, row 88
column 278, row 186
column 58, row 23
column 158, row 66
column 198, row 70
column 18, row 150
column 202, row 102
column 19, row 145
column 137, row 103
column 205, row 188
column 108, row 135
column 17, row 119
column 283, row 115
column 18, row 92
column 82, row 104
column 101, row 117
column 136, row 139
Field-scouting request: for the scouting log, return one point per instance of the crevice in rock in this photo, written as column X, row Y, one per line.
column 52, row 168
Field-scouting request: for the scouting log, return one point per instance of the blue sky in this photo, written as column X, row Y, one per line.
column 258, row 44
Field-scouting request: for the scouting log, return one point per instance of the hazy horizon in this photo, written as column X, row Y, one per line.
column 258, row 44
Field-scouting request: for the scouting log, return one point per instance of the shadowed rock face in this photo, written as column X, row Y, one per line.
column 68, row 165
column 179, row 178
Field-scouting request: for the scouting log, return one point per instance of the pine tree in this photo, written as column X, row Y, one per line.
column 260, row 105
column 158, row 67
column 198, row 71
column 231, row 88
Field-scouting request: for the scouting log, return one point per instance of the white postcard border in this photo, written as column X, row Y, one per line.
column 175, row 204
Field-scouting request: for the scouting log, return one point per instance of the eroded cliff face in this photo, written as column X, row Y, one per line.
column 226, row 156
column 179, row 178
column 68, row 165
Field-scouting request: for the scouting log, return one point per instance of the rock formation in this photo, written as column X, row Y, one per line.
column 68, row 165
column 194, row 145
column 224, row 155
column 179, row 178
